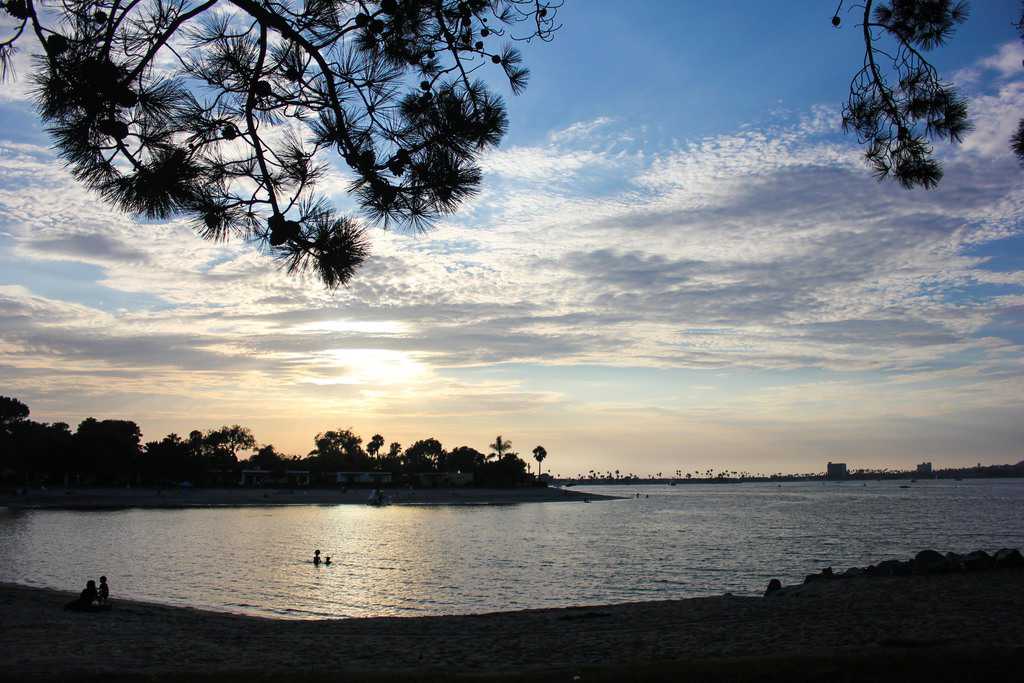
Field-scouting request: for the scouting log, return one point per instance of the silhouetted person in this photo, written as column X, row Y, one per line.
column 104, row 591
column 327, row 562
column 85, row 599
column 316, row 557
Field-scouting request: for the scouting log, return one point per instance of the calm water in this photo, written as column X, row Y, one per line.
column 683, row 541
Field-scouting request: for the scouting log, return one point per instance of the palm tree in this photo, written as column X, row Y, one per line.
column 376, row 443
column 539, row 453
column 501, row 447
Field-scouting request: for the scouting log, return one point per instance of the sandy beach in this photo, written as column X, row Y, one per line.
column 947, row 627
column 109, row 498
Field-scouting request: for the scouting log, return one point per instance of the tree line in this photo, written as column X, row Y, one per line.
column 112, row 452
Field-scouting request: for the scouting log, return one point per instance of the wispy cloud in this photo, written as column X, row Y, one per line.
column 761, row 251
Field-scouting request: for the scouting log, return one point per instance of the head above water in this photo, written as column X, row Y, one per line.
column 103, row 579
column 316, row 552
column 90, row 584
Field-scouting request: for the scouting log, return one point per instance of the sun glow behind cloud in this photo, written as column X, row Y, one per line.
column 371, row 367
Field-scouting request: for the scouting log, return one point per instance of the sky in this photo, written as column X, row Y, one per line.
column 676, row 261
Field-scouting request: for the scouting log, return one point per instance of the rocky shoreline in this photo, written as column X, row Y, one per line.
column 924, row 563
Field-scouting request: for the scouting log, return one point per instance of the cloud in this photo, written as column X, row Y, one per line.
column 1008, row 61
column 768, row 252
column 89, row 247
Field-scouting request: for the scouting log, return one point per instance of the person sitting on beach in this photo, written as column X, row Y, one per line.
column 104, row 592
column 84, row 601
column 316, row 557
column 327, row 562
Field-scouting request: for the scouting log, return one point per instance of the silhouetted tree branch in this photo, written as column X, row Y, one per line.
column 1017, row 141
column 225, row 111
column 898, row 104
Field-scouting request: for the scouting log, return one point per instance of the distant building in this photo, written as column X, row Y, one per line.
column 836, row 470
column 925, row 468
column 260, row 477
column 375, row 478
column 436, row 479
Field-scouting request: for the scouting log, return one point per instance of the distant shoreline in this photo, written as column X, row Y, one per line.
column 177, row 498
column 903, row 477
column 898, row 629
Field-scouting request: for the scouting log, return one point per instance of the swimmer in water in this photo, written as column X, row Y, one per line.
column 328, row 561
column 316, row 557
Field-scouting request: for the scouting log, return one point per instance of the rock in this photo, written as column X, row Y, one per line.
column 824, row 575
column 853, row 571
column 1009, row 557
column 773, row 585
column 977, row 561
column 892, row 568
column 930, row 562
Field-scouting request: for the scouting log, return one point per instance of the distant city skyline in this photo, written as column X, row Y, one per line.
column 677, row 260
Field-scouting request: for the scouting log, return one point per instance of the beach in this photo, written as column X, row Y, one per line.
column 943, row 627
column 112, row 498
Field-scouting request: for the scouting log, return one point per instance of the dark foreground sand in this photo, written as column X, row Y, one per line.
column 967, row 627
column 94, row 499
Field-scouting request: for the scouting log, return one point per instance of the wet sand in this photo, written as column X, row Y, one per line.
column 949, row 627
column 109, row 498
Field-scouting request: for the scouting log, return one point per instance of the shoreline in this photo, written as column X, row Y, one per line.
column 878, row 626
column 152, row 498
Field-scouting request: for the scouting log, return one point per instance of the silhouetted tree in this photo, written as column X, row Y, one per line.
column 1017, row 142
column 12, row 411
column 465, row 459
column 39, row 452
column 898, row 103
column 221, row 446
column 426, row 455
column 268, row 458
column 375, row 444
column 339, row 449
column 392, row 460
column 539, row 453
column 108, row 449
column 508, row 470
column 199, row 108
column 172, row 460
column 500, row 447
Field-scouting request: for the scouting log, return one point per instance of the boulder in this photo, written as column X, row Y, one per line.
column 955, row 562
column 977, row 561
column 893, row 568
column 1008, row 557
column 773, row 585
column 930, row 562
column 853, row 571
